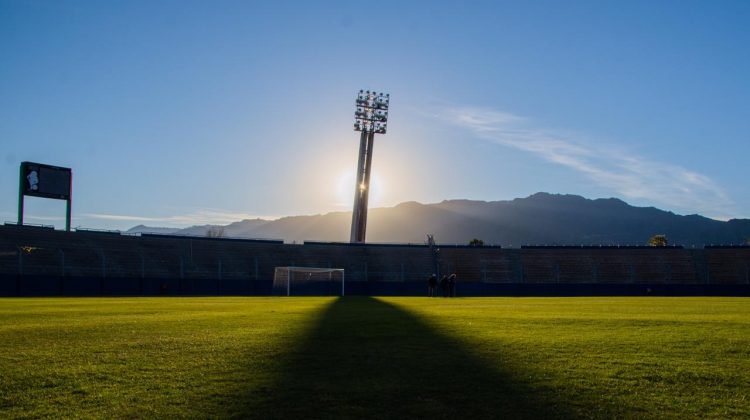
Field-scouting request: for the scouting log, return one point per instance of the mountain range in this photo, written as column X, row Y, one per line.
column 542, row 219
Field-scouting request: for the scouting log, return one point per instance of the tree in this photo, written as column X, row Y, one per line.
column 476, row 242
column 658, row 240
column 215, row 232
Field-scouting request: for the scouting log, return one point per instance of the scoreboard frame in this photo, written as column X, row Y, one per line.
column 45, row 181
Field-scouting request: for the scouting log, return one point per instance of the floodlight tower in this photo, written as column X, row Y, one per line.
column 371, row 117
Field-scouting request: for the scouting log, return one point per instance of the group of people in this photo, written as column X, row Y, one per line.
column 447, row 285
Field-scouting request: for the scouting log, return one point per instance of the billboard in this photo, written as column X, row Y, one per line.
column 47, row 181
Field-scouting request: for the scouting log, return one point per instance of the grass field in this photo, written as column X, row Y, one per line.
column 375, row 357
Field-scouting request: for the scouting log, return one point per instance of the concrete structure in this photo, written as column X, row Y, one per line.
column 37, row 261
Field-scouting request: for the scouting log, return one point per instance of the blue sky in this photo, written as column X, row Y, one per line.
column 181, row 113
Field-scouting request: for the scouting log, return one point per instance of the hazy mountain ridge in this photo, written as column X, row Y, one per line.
column 541, row 218
column 153, row 229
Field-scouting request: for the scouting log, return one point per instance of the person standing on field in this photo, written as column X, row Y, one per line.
column 432, row 286
column 452, row 285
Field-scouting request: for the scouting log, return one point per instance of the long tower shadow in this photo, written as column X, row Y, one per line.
column 369, row 359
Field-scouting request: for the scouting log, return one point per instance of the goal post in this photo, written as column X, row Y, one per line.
column 309, row 281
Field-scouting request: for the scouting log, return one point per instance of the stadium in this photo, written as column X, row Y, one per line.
column 104, row 324
column 38, row 261
column 183, row 119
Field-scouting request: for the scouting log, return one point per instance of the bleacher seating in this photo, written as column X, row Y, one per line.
column 40, row 261
column 728, row 265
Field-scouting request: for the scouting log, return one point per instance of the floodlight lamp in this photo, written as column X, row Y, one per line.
column 381, row 114
column 371, row 108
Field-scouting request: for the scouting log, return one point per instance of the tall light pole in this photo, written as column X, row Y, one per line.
column 371, row 117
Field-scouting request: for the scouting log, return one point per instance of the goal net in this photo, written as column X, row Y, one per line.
column 308, row 281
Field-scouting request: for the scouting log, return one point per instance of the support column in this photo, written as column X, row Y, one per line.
column 362, row 230
column 67, row 214
column 360, row 192
column 69, row 204
column 21, row 186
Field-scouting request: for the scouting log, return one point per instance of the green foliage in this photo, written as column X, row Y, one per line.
column 658, row 240
column 375, row 358
column 476, row 242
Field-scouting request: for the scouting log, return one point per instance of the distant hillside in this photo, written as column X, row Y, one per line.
column 151, row 229
column 541, row 218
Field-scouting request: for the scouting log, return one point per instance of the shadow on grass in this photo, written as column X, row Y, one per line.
column 369, row 359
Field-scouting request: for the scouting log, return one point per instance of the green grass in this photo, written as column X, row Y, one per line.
column 375, row 357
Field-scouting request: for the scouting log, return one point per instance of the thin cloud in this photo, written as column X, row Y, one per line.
column 199, row 217
column 628, row 174
column 11, row 217
column 126, row 218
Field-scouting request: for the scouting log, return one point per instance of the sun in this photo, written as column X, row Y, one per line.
column 345, row 189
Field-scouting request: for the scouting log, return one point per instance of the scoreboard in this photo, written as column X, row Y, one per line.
column 45, row 181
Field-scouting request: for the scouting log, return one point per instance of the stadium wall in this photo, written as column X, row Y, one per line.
column 37, row 261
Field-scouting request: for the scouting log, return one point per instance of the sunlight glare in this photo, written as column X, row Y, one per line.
column 345, row 190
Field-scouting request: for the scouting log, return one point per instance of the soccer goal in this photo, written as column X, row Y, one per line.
column 308, row 281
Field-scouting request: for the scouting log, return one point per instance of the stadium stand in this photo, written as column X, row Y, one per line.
column 38, row 261
column 728, row 264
